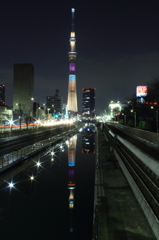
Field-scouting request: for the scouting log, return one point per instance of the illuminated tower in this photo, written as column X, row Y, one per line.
column 72, row 95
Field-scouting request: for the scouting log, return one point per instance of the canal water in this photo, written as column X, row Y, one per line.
column 51, row 196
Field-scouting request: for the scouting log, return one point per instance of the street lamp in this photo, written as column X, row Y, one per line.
column 135, row 119
column 157, row 121
column 32, row 110
column 20, row 121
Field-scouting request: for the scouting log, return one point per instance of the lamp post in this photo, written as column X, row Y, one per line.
column 20, row 121
column 32, row 110
column 125, row 119
column 134, row 119
column 157, row 121
column 20, row 113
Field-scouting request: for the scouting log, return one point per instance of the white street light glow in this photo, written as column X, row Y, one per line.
column 38, row 164
column 11, row 185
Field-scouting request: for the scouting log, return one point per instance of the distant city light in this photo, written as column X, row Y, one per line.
column 52, row 153
column 67, row 142
column 38, row 164
column 11, row 185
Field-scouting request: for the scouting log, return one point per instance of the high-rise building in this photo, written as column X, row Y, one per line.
column 54, row 104
column 50, row 103
column 58, row 102
column 72, row 94
column 23, row 89
column 2, row 95
column 88, row 102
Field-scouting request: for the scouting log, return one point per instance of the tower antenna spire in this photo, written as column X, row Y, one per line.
column 73, row 11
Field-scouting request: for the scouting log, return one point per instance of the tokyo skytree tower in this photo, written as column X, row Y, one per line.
column 72, row 95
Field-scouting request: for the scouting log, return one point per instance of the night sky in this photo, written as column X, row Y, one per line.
column 117, row 45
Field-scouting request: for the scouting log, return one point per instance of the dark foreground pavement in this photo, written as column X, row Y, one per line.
column 118, row 214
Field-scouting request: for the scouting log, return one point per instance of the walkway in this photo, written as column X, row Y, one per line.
column 118, row 214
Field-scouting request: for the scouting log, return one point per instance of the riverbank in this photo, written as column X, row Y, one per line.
column 117, row 215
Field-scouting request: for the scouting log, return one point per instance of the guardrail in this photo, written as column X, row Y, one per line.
column 145, row 187
column 150, row 138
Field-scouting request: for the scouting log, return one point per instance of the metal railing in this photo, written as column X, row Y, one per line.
column 150, row 138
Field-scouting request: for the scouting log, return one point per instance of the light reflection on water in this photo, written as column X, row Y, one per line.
column 52, row 199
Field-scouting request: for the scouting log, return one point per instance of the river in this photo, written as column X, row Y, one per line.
column 52, row 196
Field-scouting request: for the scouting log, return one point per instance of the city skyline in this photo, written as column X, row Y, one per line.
column 117, row 46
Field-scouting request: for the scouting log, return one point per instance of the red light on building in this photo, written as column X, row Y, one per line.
column 152, row 103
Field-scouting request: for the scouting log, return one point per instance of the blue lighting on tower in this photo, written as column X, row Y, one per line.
column 72, row 78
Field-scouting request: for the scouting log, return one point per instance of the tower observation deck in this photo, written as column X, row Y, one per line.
column 72, row 94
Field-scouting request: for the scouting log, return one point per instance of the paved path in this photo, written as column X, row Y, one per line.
column 118, row 214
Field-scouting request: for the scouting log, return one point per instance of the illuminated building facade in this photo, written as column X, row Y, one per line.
column 88, row 143
column 114, row 110
column 23, row 88
column 2, row 95
column 50, row 103
column 88, row 102
column 72, row 94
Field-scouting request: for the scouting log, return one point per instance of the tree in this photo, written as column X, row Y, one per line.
column 153, row 90
column 146, row 114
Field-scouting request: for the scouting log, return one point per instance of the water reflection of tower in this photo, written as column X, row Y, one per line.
column 71, row 174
